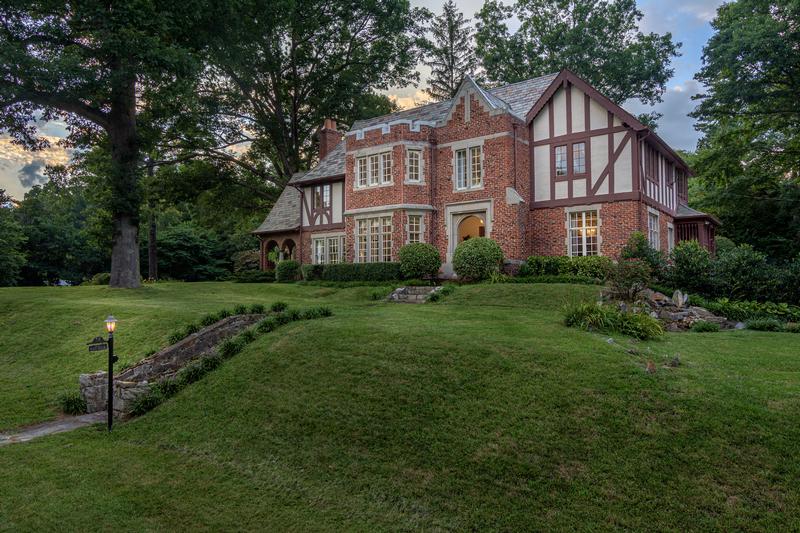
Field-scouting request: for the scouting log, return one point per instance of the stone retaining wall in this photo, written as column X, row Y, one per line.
column 136, row 380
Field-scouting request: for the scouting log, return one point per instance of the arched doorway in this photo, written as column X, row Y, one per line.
column 471, row 226
column 269, row 256
column 287, row 250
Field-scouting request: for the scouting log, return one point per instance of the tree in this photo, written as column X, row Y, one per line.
column 748, row 162
column 101, row 66
column 280, row 67
column 450, row 52
column 599, row 40
column 11, row 240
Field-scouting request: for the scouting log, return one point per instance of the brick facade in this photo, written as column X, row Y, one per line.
column 503, row 201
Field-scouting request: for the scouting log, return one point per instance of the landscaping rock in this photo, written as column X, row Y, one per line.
column 412, row 295
column 679, row 299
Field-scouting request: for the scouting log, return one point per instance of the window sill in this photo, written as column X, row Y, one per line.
column 369, row 187
column 470, row 189
column 406, row 182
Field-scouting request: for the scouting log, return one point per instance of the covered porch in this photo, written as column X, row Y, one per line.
column 691, row 224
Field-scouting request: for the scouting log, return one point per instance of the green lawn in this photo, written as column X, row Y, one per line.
column 479, row 412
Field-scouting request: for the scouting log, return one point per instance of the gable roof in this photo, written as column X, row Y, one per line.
column 331, row 165
column 285, row 214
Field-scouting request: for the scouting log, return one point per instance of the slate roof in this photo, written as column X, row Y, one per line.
column 521, row 96
column 285, row 214
column 332, row 165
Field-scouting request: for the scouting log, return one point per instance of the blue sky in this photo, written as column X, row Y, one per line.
column 687, row 20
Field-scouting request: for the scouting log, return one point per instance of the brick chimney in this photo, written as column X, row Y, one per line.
column 329, row 137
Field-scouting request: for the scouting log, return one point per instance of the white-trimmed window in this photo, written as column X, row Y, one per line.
column 374, row 170
column 374, row 239
column 583, row 233
column 322, row 196
column 469, row 168
column 579, row 158
column 414, row 228
column 653, row 233
column 561, row 160
column 361, row 171
column 327, row 250
column 386, row 167
column 414, row 167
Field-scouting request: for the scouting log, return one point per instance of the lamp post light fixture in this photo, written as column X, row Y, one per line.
column 111, row 326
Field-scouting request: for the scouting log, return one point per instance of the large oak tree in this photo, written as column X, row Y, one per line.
column 100, row 65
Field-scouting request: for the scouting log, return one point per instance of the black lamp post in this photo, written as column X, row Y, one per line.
column 111, row 325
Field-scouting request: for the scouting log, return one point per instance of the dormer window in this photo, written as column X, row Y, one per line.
column 469, row 168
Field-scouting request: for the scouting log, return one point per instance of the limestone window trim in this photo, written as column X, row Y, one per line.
column 420, row 154
column 467, row 149
column 421, row 229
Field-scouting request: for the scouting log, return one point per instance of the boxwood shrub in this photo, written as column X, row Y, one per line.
column 419, row 260
column 312, row 272
column 287, row 271
column 362, row 272
column 477, row 258
column 595, row 267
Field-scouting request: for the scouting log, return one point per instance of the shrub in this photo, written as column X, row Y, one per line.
column 703, row 326
column 287, row 271
column 691, row 267
column 147, row 402
column 638, row 247
column 792, row 327
column 72, row 403
column 101, row 278
column 169, row 387
column 362, row 272
column 723, row 244
column 742, row 273
column 476, row 259
column 765, row 324
column 209, row 319
column 588, row 267
column 223, row 314
column 747, row 310
column 240, row 309
column 247, row 336
column 628, row 278
column 312, row 272
column 419, row 260
column 278, row 307
column 175, row 338
column 257, row 309
column 598, row 317
column 248, row 260
column 267, row 325
column 560, row 278
column 379, row 294
column 254, row 276
column 790, row 281
column 230, row 347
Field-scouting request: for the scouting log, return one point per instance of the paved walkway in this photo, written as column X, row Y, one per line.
column 49, row 428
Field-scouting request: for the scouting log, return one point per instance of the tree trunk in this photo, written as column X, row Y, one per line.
column 125, row 193
column 152, row 246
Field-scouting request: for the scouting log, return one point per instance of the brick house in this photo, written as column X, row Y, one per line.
column 547, row 166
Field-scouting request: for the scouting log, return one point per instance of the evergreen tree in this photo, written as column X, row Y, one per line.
column 450, row 53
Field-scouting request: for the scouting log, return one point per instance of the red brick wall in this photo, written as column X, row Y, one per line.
column 617, row 221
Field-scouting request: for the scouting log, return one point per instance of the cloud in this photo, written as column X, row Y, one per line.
column 32, row 174
column 675, row 126
column 407, row 101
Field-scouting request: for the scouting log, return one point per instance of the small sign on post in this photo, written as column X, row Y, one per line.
column 98, row 344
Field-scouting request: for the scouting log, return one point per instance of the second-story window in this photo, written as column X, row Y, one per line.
column 322, row 196
column 469, row 168
column 579, row 158
column 414, row 169
column 373, row 170
column 561, row 160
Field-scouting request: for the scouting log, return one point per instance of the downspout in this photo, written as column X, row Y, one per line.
column 514, row 152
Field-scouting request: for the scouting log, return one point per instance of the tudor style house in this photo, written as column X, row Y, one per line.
column 547, row 166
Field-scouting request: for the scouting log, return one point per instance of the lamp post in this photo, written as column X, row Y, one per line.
column 111, row 325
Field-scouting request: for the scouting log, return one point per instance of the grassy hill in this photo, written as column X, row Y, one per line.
column 479, row 412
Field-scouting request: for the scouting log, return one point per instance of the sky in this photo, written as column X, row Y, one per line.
column 688, row 20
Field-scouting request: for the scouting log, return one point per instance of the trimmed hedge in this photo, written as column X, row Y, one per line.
column 419, row 260
column 596, row 266
column 476, row 259
column 361, row 272
column 287, row 271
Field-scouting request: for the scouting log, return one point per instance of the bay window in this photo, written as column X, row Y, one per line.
column 374, row 239
column 373, row 170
